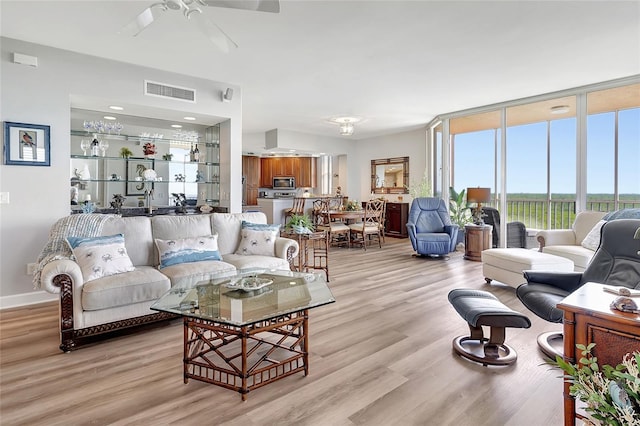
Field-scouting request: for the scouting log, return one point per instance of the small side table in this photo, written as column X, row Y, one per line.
column 313, row 251
column 476, row 239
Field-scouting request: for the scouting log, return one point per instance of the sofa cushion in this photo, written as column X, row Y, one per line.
column 142, row 284
column 100, row 256
column 584, row 223
column 250, row 262
column 191, row 273
column 578, row 254
column 257, row 239
column 185, row 250
column 592, row 240
column 228, row 225
column 138, row 238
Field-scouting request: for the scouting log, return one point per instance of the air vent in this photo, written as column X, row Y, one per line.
column 152, row 88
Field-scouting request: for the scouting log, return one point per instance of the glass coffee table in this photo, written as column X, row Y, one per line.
column 247, row 329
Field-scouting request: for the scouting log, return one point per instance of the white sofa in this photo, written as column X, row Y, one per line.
column 568, row 242
column 123, row 300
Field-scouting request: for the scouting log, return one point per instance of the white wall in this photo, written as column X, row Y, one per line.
column 411, row 144
column 39, row 195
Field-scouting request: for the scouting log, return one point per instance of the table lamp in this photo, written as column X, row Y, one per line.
column 478, row 196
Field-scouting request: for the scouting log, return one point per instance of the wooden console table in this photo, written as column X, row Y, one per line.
column 476, row 239
column 589, row 319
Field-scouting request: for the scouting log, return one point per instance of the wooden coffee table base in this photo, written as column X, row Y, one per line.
column 247, row 357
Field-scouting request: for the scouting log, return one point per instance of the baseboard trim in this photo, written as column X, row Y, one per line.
column 25, row 299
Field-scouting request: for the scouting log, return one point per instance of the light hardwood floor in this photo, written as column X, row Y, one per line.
column 380, row 355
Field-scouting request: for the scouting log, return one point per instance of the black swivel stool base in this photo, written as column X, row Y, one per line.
column 480, row 308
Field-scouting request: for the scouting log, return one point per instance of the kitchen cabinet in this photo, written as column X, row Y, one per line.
column 266, row 172
column 307, row 174
column 303, row 169
column 396, row 215
column 251, row 173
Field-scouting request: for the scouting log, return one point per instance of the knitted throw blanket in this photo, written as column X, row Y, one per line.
column 75, row 225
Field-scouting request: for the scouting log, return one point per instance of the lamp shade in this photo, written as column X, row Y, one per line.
column 478, row 195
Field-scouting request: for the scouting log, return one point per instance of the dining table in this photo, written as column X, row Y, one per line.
column 345, row 215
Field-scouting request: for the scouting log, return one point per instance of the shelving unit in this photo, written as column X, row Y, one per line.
column 111, row 174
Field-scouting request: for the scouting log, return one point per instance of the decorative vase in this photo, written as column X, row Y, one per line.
column 150, row 175
column 84, row 174
column 299, row 229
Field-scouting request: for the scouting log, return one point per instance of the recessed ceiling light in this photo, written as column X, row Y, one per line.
column 116, row 107
column 559, row 109
column 108, row 117
column 189, row 118
column 176, row 126
column 292, row 150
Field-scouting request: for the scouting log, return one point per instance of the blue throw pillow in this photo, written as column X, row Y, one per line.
column 260, row 226
column 100, row 256
column 185, row 250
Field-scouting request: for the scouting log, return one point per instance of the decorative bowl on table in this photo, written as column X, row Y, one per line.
column 249, row 283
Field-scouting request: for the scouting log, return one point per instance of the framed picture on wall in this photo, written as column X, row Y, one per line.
column 26, row 144
column 135, row 179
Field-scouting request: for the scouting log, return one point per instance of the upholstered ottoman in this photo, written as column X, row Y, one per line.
column 506, row 264
column 481, row 308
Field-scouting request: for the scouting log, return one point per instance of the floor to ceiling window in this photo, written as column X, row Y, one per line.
column 541, row 163
column 475, row 153
column 613, row 148
column 578, row 150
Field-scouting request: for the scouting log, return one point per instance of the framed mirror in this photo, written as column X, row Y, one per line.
column 390, row 175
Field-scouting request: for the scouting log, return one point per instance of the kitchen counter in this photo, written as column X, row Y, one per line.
column 274, row 208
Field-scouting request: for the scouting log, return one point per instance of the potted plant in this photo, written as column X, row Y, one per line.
column 611, row 394
column 300, row 224
column 125, row 152
column 422, row 188
column 459, row 211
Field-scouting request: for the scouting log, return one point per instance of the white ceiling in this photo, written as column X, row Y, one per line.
column 396, row 64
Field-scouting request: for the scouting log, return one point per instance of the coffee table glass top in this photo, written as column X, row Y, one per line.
column 245, row 297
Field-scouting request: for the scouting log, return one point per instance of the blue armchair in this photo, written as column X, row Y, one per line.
column 430, row 228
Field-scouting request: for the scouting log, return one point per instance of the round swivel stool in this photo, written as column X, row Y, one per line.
column 481, row 308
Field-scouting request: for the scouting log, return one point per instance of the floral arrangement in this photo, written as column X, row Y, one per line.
column 149, row 148
column 352, row 206
column 612, row 394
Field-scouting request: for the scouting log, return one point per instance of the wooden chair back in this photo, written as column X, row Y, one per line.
column 373, row 213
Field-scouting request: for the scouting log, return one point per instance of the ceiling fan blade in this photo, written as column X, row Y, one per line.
column 214, row 33
column 142, row 21
column 272, row 6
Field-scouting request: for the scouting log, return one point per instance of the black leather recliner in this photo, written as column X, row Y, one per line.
column 516, row 231
column 616, row 263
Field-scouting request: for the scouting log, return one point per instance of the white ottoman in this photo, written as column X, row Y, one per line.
column 506, row 264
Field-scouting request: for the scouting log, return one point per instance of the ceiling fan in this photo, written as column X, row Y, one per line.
column 191, row 9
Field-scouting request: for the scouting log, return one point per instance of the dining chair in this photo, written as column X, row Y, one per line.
column 383, row 220
column 297, row 208
column 370, row 225
column 339, row 233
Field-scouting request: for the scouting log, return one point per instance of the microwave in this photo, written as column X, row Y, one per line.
column 284, row 182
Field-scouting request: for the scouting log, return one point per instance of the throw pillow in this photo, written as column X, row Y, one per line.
column 592, row 240
column 257, row 239
column 173, row 252
column 100, row 256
